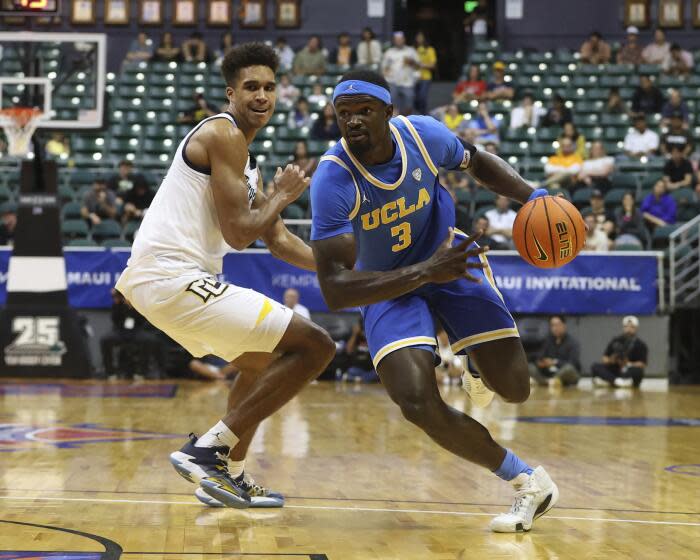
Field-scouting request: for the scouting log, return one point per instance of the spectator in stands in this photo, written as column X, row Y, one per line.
column 310, row 61
column 631, row 51
column 167, row 50
column 58, row 145
column 558, row 362
column 318, row 97
column 195, row 49
column 527, row 114
column 200, row 110
column 562, row 168
column 604, row 219
column 326, row 126
column 359, row 362
column 427, row 63
column 570, row 131
column 674, row 104
column 481, row 128
column 678, row 62
column 302, row 159
column 482, row 224
column 225, row 45
column 136, row 202
column 491, row 147
column 343, row 54
column 624, row 360
column 558, row 113
column 125, row 179
column 301, row 115
column 676, row 136
column 291, row 300
column 595, row 50
column 597, row 239
column 285, row 54
column 640, row 141
column 501, row 221
column 498, row 88
column 455, row 181
column 399, row 66
column 647, row 98
column 657, row 51
column 453, row 119
column 615, row 105
column 99, row 203
column 596, row 170
column 369, row 50
column 287, row 92
column 8, row 223
column 141, row 48
column 659, row 207
column 629, row 224
column 473, row 87
column 678, row 172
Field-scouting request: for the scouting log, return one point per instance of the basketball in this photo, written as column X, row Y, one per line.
column 549, row 232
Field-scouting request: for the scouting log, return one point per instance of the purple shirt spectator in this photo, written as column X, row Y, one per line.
column 663, row 207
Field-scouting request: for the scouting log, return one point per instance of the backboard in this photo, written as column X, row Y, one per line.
column 63, row 74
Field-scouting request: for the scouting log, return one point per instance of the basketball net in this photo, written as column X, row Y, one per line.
column 19, row 124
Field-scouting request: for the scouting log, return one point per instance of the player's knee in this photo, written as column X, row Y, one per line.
column 418, row 409
column 321, row 348
column 518, row 391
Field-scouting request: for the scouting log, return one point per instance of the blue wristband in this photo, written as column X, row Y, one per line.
column 537, row 193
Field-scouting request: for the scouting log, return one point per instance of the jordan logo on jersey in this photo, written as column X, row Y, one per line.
column 393, row 210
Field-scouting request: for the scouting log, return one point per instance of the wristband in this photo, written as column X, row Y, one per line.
column 537, row 193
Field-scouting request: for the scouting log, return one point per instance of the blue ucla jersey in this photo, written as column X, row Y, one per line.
column 398, row 211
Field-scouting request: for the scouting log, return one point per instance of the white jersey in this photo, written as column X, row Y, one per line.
column 180, row 232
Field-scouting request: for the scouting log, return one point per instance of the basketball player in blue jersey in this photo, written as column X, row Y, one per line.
column 384, row 240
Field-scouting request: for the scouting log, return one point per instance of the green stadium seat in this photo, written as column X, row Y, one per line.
column 285, row 133
column 482, row 211
column 560, row 192
column 318, row 147
column 687, row 212
column 72, row 229
column 71, row 211
column 651, row 69
column 540, row 149
column 81, row 242
column 115, row 243
column 284, row 147
column 625, row 181
column 5, row 193
column 464, row 197
column 582, row 197
column 66, row 193
column 684, row 196
column 659, row 239
column 615, row 120
column 106, row 229
column 483, row 197
column 614, row 197
column 130, row 229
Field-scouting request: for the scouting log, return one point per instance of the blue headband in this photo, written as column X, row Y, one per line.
column 359, row 87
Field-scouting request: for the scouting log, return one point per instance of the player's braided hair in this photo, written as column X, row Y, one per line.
column 366, row 76
column 247, row 54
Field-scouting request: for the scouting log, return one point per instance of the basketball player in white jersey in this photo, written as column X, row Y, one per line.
column 208, row 202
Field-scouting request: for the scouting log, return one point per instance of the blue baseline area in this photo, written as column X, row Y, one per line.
column 612, row 421
column 619, row 283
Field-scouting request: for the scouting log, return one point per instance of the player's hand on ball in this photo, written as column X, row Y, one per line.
column 291, row 182
column 450, row 263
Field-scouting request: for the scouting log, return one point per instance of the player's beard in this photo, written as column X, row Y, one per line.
column 360, row 148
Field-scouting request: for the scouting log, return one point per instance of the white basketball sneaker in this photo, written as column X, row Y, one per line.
column 535, row 495
column 480, row 395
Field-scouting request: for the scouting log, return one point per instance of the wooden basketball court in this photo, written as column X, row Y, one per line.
column 84, row 472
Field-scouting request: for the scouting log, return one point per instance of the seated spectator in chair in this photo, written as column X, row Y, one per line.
column 300, row 117
column 558, row 363
column 285, row 54
column 125, row 179
column 326, row 126
column 369, row 49
column 501, row 221
column 318, row 97
column 631, row 50
column 570, row 131
column 136, row 202
column 291, row 300
column 659, row 207
column 678, row 62
column 678, row 172
column 604, row 219
column 596, row 170
column 141, row 48
column 629, row 224
column 676, row 136
column 287, row 92
column 498, row 88
column 453, row 119
column 595, row 50
column 58, row 145
column 359, row 361
column 597, row 239
column 615, row 105
column 343, row 54
column 481, row 224
column 200, row 110
column 624, row 360
column 558, row 113
column 129, row 327
column 167, row 51
column 195, row 49
column 473, row 87
column 527, row 114
column 640, row 141
column 647, row 98
column 481, row 128
column 225, row 45
column 563, row 167
column 99, row 204
column 302, row 159
column 8, row 223
column 675, row 104
column 657, row 51
column 310, row 61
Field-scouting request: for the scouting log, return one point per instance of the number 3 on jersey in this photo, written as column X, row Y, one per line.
column 403, row 233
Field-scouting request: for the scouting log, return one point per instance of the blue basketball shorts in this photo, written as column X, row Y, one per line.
column 470, row 313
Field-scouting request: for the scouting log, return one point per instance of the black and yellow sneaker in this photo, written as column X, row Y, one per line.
column 260, row 497
column 208, row 467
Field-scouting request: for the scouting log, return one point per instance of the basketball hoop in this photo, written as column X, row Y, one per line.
column 19, row 124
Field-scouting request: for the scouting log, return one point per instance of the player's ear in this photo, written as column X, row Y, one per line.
column 230, row 93
column 389, row 112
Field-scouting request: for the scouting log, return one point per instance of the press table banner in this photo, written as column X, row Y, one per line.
column 595, row 284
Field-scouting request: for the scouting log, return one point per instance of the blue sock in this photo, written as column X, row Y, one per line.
column 512, row 466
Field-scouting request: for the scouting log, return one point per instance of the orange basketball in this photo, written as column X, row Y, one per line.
column 549, row 232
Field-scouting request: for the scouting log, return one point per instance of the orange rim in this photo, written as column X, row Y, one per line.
column 21, row 115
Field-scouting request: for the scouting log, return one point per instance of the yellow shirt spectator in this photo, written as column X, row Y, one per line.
column 427, row 57
column 565, row 160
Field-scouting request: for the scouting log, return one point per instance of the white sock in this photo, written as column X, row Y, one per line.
column 219, row 435
column 236, row 468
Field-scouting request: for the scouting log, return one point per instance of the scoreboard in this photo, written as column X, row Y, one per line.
column 30, row 7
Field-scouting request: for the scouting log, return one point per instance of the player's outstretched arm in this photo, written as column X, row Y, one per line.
column 344, row 287
column 499, row 177
column 227, row 153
